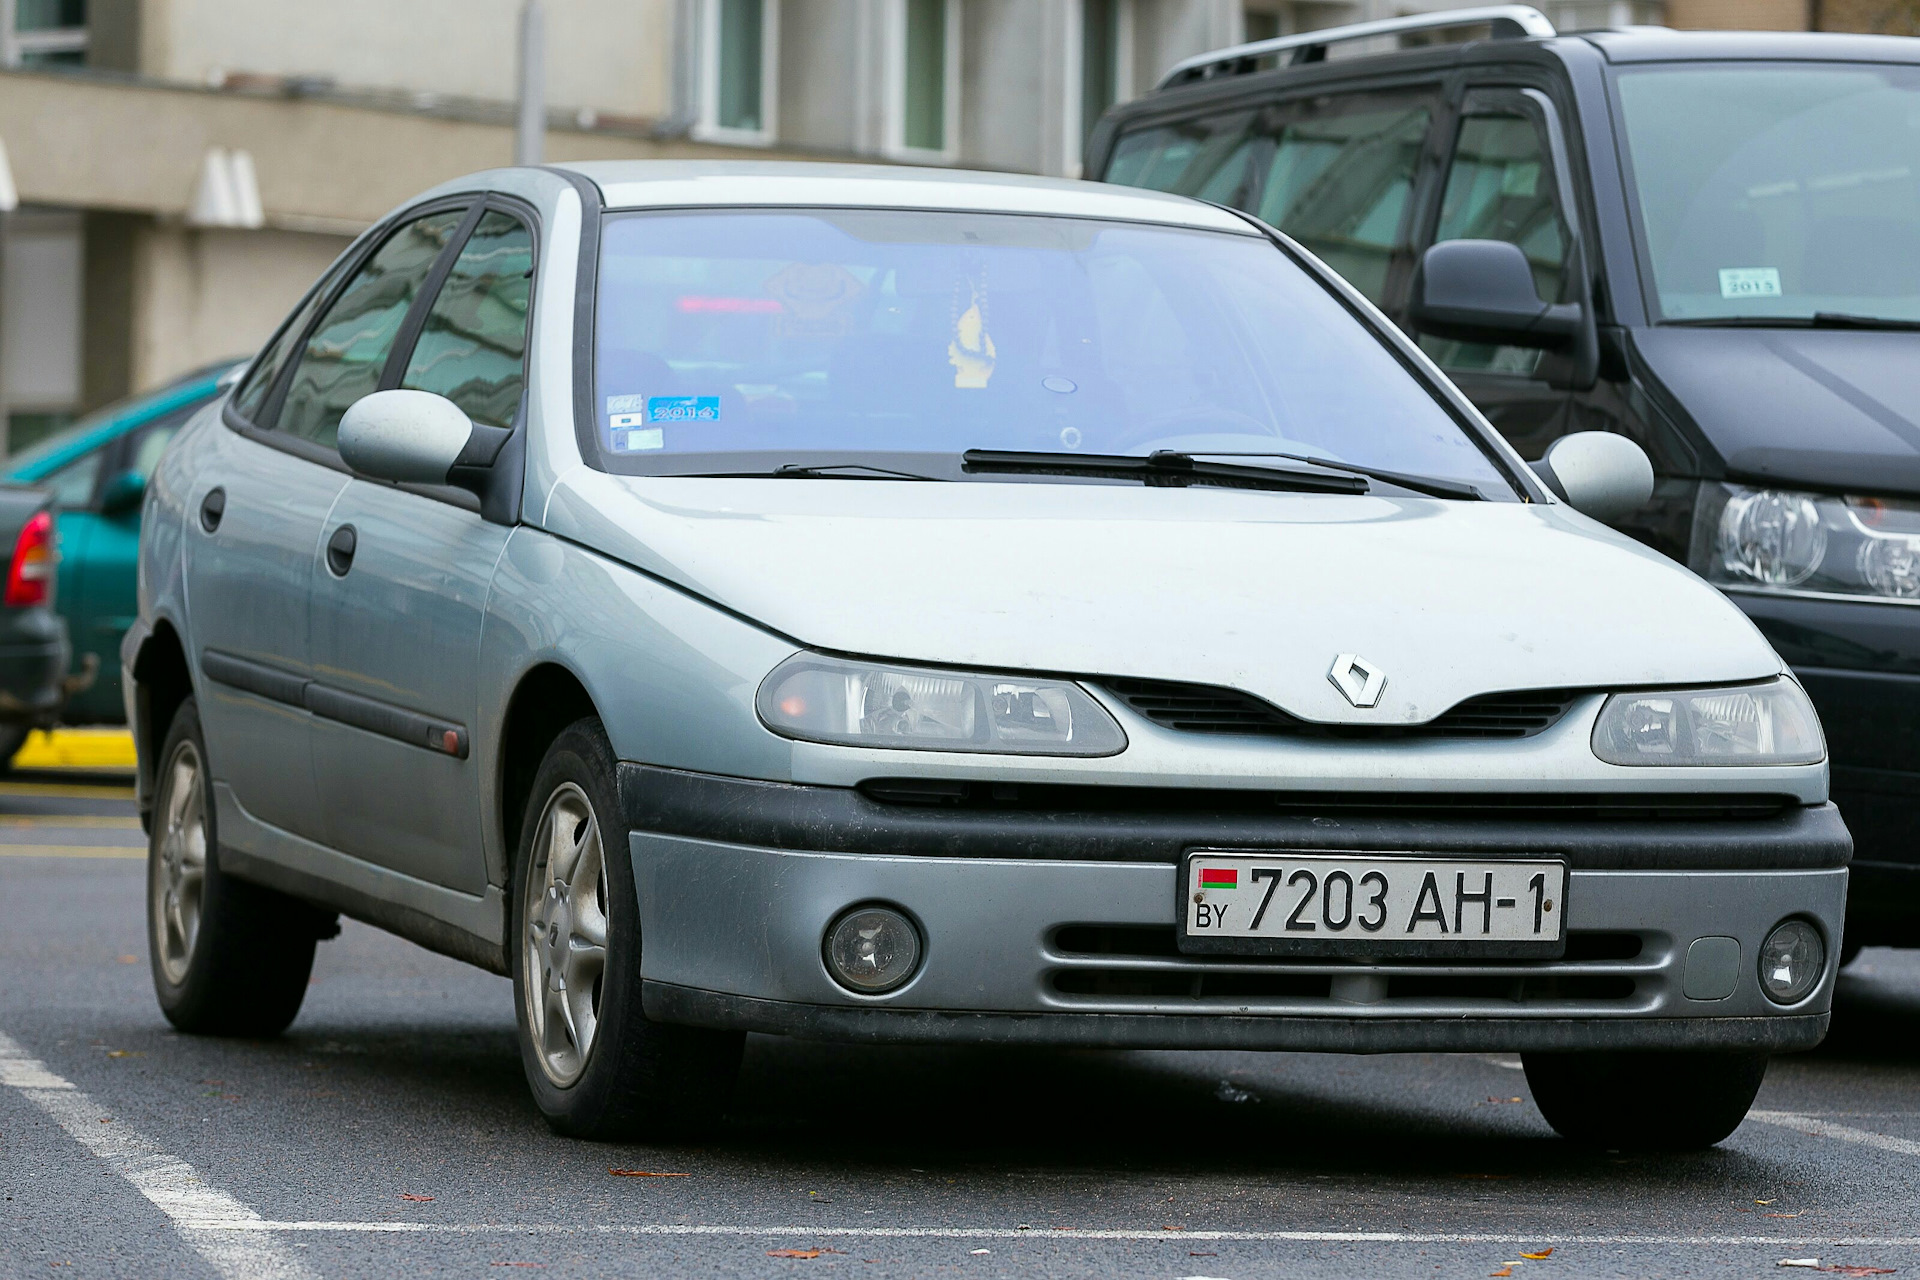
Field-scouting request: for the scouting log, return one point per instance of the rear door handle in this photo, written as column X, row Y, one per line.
column 212, row 507
column 340, row 549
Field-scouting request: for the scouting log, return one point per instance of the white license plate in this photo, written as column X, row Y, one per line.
column 1372, row 905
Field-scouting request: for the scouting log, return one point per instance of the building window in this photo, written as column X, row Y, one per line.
column 43, row 33
column 1101, row 43
column 924, row 66
column 738, row 62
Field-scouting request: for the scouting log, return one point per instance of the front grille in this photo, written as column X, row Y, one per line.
column 1158, row 942
column 1200, row 708
column 1061, row 800
column 1095, row 964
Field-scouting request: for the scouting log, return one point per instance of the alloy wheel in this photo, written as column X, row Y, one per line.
column 176, row 890
column 566, row 934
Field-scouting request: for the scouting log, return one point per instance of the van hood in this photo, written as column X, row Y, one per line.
column 1259, row 591
column 1820, row 408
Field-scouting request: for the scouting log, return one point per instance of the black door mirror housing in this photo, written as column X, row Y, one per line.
column 1483, row 291
column 123, row 493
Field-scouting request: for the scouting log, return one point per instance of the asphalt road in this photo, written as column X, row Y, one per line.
column 389, row 1133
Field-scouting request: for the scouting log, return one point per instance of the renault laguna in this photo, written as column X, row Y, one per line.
column 892, row 606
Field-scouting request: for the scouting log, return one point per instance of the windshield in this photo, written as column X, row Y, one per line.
column 1778, row 191
column 743, row 341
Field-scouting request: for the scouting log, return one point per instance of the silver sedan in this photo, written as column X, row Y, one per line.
column 918, row 606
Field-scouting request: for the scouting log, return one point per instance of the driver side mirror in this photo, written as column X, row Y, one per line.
column 409, row 437
column 1483, row 291
column 123, row 493
column 1598, row 474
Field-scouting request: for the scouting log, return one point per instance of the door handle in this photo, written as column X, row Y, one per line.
column 340, row 549
column 212, row 507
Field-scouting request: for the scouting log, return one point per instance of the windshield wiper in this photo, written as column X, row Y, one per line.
column 1433, row 486
column 1164, row 468
column 816, row 471
column 1818, row 320
column 1841, row 320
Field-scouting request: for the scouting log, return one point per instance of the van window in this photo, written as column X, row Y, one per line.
column 1207, row 158
column 1794, row 189
column 1339, row 178
column 1500, row 186
column 1334, row 172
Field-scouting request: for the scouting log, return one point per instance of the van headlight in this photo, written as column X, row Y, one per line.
column 865, row 704
column 1769, row 723
column 1787, row 542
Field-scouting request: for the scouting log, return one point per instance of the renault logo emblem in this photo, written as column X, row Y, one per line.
column 1359, row 680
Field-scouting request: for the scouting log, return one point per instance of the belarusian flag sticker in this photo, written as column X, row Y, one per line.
column 1219, row 878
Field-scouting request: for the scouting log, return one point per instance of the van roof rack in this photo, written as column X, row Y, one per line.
column 1508, row 21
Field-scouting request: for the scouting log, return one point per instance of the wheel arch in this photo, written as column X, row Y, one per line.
column 162, row 680
column 548, row 697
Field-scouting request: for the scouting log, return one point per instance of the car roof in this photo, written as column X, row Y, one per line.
column 654, row 184
column 1659, row 44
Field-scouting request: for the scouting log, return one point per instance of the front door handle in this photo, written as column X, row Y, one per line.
column 340, row 549
column 212, row 507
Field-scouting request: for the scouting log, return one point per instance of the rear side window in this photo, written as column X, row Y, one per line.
column 347, row 352
column 473, row 346
column 1335, row 173
column 250, row 401
column 1207, row 158
column 1338, row 177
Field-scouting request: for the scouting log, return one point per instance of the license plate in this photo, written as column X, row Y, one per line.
column 1380, row 905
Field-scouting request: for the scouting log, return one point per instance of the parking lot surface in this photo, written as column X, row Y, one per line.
column 390, row 1132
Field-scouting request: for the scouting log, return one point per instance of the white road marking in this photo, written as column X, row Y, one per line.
column 1026, row 1233
column 174, row 1186
column 1828, row 1129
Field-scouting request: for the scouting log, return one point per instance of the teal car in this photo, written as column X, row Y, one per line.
column 97, row 470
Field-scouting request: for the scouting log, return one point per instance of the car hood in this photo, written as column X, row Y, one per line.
column 1260, row 591
column 1825, row 408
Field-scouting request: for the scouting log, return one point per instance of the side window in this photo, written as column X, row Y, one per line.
column 251, row 398
column 1208, row 158
column 147, row 447
column 473, row 347
column 343, row 359
column 1500, row 186
column 1339, row 179
column 73, row 484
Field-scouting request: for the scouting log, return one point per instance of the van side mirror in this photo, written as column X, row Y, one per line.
column 1483, row 291
column 1598, row 474
column 123, row 493
column 411, row 437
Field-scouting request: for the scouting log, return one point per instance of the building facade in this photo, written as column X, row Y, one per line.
column 186, row 167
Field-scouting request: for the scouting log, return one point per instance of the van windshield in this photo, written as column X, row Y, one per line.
column 1787, row 191
column 744, row 341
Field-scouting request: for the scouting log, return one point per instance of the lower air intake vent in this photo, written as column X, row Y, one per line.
column 1199, row 708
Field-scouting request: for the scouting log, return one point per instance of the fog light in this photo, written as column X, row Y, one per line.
column 1791, row 961
column 872, row 949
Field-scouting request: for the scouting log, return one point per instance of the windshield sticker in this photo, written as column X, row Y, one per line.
column 683, row 408
column 638, row 440
column 971, row 353
column 814, row 296
column 1749, row 282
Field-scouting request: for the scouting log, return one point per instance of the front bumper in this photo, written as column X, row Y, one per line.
column 1067, row 938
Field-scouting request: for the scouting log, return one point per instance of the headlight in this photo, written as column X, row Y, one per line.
column 865, row 704
column 1753, row 724
column 1795, row 543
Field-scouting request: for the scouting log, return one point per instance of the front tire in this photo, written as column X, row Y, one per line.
column 229, row 958
column 597, row 1066
column 1645, row 1101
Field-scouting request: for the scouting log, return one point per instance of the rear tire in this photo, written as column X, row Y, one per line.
column 597, row 1066
column 229, row 958
column 1645, row 1101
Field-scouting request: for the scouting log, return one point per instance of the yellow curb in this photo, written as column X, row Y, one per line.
column 76, row 749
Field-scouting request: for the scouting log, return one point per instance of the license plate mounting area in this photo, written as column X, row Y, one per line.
column 1386, row 906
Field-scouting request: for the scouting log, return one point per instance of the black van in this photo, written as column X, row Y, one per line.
column 1708, row 242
